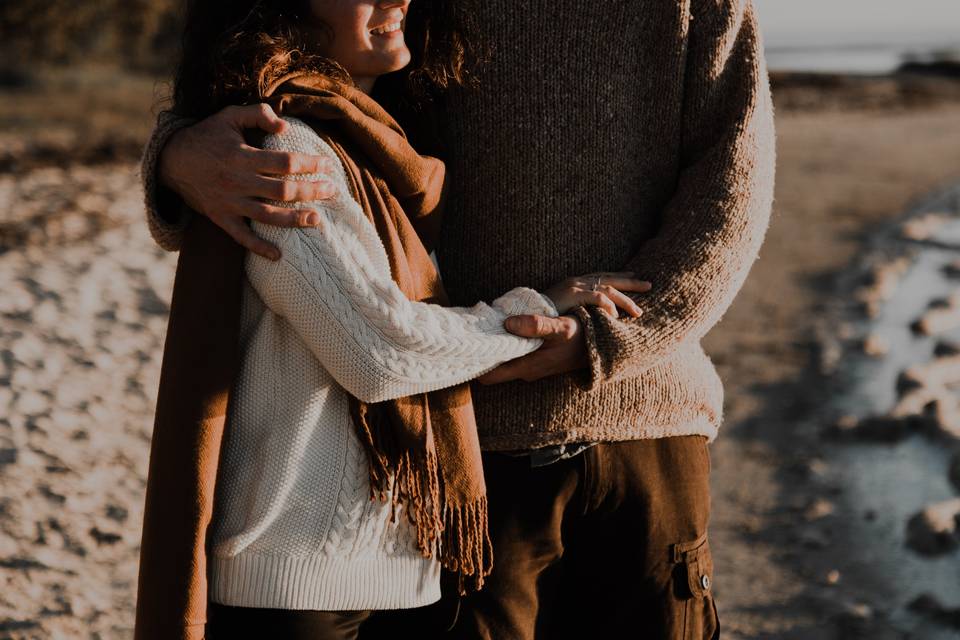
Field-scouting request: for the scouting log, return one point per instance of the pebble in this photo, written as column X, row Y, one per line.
column 923, row 227
column 945, row 348
column 875, row 346
column 933, row 531
column 938, row 319
column 818, row 509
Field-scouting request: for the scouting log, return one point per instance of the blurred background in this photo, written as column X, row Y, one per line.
column 836, row 475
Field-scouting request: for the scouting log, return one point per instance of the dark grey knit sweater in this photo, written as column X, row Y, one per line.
column 607, row 136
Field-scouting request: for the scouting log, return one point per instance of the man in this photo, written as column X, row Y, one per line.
column 604, row 137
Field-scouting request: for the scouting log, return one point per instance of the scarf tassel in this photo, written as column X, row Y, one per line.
column 412, row 478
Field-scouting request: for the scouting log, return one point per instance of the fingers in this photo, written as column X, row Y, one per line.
column 535, row 326
column 599, row 299
column 280, row 163
column 622, row 300
column 281, row 216
column 255, row 116
column 290, row 190
column 625, row 283
column 245, row 236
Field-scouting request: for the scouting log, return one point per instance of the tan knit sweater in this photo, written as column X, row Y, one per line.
column 624, row 137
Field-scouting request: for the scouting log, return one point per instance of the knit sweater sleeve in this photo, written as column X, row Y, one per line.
column 333, row 286
column 166, row 218
column 712, row 227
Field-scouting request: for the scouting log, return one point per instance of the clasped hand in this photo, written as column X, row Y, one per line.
column 564, row 348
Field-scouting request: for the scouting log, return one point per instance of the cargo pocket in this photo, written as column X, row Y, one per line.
column 696, row 612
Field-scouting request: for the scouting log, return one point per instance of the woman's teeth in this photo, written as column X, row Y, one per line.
column 387, row 28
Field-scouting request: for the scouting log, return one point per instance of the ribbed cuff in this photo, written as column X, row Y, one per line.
column 591, row 377
column 167, row 228
column 325, row 583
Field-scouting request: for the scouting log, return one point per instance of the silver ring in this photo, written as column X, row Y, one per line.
column 596, row 284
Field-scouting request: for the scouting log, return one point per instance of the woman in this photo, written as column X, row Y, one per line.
column 349, row 381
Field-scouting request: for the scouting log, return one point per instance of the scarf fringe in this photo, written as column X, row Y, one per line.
column 466, row 549
column 412, row 478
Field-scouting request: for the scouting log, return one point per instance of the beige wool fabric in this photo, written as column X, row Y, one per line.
column 652, row 153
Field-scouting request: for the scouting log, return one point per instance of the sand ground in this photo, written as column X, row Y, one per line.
column 841, row 175
column 83, row 316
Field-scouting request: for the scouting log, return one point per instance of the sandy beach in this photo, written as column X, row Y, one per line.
column 85, row 298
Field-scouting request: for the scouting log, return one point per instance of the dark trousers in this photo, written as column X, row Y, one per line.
column 609, row 544
column 235, row 623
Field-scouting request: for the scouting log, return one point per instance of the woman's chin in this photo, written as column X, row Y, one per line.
column 388, row 63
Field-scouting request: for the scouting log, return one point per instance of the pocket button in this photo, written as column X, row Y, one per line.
column 705, row 582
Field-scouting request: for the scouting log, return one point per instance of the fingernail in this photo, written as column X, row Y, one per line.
column 274, row 255
column 510, row 323
column 313, row 219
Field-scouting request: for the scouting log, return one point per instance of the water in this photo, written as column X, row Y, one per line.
column 862, row 59
column 896, row 481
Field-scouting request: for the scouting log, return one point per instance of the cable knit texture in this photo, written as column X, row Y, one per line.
column 655, row 155
column 294, row 526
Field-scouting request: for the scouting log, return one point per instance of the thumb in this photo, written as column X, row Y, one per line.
column 258, row 116
column 533, row 326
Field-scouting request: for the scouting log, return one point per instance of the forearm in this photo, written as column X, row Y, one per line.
column 376, row 343
column 714, row 224
column 166, row 217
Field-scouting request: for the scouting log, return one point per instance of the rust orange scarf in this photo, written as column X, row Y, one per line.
column 425, row 446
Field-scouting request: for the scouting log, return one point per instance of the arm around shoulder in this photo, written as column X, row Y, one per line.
column 166, row 217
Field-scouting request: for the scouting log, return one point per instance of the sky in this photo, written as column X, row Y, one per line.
column 806, row 22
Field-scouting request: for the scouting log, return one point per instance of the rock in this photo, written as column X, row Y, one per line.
column 945, row 348
column 909, row 380
column 952, row 270
column 875, row 346
column 882, row 282
column 818, row 509
column 933, row 531
column 924, row 226
column 938, row 319
column 929, row 606
column 942, row 371
column 855, row 620
column 943, row 416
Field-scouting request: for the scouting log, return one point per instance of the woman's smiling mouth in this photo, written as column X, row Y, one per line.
column 386, row 29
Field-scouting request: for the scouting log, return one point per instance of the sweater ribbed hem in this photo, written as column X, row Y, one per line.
column 702, row 426
column 323, row 583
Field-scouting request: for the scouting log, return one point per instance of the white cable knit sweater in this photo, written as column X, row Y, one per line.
column 293, row 524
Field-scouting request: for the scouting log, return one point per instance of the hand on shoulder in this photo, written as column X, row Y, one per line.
column 218, row 174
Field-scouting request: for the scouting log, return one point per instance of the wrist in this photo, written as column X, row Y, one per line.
column 590, row 375
column 166, row 162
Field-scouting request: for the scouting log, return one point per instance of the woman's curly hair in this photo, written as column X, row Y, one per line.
column 232, row 50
